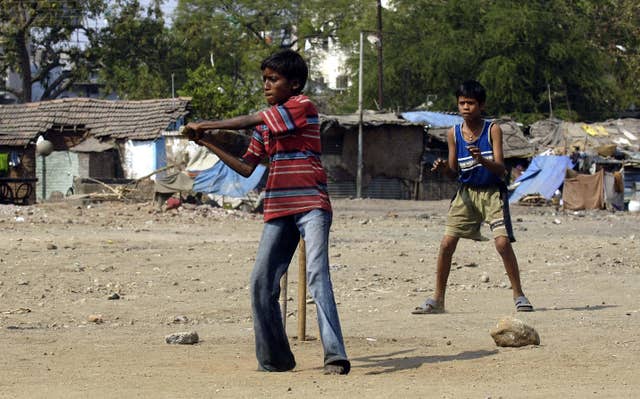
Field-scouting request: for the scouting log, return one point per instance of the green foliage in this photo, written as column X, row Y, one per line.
column 43, row 34
column 235, row 36
column 138, row 83
column 582, row 56
column 218, row 96
column 520, row 51
column 136, row 52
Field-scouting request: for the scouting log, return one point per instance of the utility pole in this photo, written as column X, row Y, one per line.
column 173, row 91
column 360, row 163
column 550, row 106
column 380, row 85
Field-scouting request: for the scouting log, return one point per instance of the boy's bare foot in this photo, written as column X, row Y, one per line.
column 339, row 367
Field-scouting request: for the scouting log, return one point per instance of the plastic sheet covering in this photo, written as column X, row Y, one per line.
column 544, row 176
column 222, row 180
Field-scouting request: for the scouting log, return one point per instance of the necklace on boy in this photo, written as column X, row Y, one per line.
column 474, row 133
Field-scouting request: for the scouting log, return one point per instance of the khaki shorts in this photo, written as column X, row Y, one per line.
column 474, row 205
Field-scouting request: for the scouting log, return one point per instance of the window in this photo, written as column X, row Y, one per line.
column 342, row 82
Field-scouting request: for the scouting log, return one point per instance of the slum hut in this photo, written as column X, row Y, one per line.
column 434, row 186
column 110, row 141
column 612, row 145
column 203, row 175
column 391, row 152
column 517, row 149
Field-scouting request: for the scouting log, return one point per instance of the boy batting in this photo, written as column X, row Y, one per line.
column 296, row 204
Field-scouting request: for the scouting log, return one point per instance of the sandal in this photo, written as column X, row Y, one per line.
column 430, row 306
column 523, row 304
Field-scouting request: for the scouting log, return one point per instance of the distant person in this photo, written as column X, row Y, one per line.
column 476, row 159
column 576, row 157
column 296, row 203
column 516, row 172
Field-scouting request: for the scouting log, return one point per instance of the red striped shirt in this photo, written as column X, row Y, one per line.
column 290, row 137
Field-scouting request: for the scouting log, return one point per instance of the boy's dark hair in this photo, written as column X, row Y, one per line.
column 472, row 89
column 289, row 64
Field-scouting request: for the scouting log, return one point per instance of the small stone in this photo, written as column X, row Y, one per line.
column 114, row 296
column 95, row 318
column 180, row 319
column 182, row 338
column 484, row 278
column 52, row 246
column 76, row 268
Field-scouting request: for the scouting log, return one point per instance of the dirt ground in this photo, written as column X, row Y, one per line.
column 188, row 270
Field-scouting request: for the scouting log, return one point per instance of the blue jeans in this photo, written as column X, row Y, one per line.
column 279, row 240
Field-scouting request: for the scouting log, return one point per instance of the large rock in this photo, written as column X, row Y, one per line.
column 182, row 338
column 514, row 333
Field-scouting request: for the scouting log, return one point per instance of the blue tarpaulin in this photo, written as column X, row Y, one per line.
column 544, row 176
column 433, row 119
column 222, row 180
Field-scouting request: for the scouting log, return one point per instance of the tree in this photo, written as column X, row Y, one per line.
column 232, row 37
column 137, row 51
column 520, row 51
column 615, row 27
column 40, row 40
column 217, row 96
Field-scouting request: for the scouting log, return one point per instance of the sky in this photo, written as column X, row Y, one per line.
column 167, row 7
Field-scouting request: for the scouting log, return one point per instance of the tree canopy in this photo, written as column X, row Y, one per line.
column 577, row 59
column 39, row 37
column 233, row 37
column 523, row 52
column 136, row 51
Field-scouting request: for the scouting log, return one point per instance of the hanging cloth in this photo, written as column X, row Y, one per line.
column 4, row 163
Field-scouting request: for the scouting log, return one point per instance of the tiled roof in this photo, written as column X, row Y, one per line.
column 140, row 120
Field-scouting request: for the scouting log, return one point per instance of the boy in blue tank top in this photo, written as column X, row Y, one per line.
column 476, row 159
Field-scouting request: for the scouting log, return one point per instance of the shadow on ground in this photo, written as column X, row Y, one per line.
column 395, row 361
column 577, row 308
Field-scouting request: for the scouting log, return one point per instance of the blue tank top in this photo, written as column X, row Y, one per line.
column 470, row 172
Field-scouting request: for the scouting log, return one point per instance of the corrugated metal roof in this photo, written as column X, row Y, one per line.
column 514, row 143
column 368, row 119
column 140, row 120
